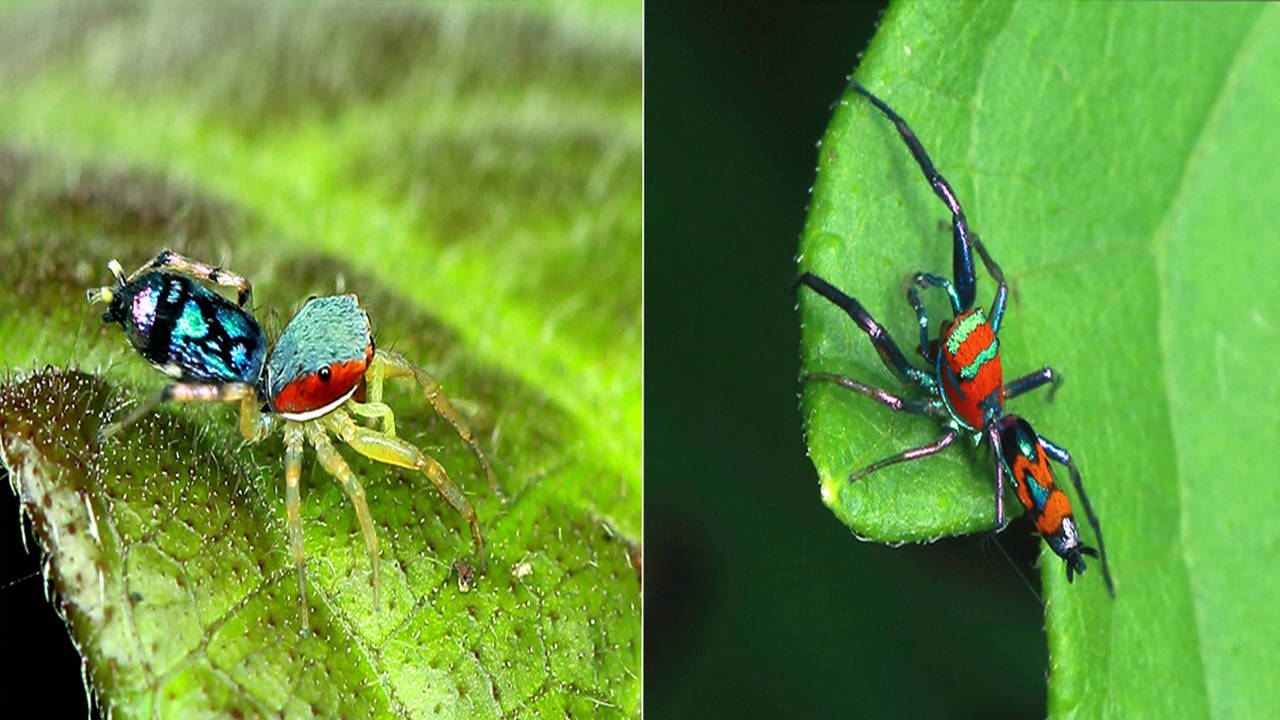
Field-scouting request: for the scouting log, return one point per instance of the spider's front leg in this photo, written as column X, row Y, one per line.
column 333, row 463
column 293, row 437
column 389, row 365
column 394, row 451
column 888, row 350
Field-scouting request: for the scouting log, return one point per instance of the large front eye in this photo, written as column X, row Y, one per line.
column 324, row 374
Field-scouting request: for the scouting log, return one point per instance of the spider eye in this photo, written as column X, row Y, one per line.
column 324, row 374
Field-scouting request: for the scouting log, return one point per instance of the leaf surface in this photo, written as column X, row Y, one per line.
column 1123, row 187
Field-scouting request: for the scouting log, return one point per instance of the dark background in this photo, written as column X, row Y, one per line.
column 757, row 600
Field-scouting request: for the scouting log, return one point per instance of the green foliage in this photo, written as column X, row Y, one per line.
column 1118, row 162
column 462, row 170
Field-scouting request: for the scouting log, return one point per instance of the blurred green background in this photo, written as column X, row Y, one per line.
column 759, row 601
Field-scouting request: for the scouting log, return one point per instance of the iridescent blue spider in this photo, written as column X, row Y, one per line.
column 307, row 382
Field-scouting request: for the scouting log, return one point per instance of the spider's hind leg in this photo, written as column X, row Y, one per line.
column 253, row 425
column 170, row 260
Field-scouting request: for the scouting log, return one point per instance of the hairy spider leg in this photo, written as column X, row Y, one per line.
column 1060, row 455
column 170, row 260
column 253, row 425
column 333, row 464
column 293, row 441
column 395, row 451
column 922, row 451
column 880, row 338
column 962, row 254
column 387, row 364
column 1031, row 381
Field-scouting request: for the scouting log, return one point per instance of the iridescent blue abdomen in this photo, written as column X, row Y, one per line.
column 188, row 331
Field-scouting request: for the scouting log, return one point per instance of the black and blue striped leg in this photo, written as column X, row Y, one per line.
column 962, row 253
column 1027, row 383
column 884, row 344
column 1060, row 455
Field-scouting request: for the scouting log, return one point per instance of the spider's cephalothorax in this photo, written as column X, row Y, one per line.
column 965, row 383
column 306, row 382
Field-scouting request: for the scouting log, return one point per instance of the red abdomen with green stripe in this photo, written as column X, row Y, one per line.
column 969, row 369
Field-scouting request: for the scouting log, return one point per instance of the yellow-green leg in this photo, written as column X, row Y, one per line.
column 293, row 511
column 376, row 411
column 333, row 463
column 253, row 424
column 394, row 451
column 389, row 365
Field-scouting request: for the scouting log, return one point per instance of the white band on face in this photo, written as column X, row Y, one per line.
column 320, row 412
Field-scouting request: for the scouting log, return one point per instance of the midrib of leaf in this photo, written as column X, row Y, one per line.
column 275, row 177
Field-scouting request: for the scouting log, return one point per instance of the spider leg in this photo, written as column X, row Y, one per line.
column 252, row 424
column 1027, row 383
column 880, row 338
column 1061, row 455
column 170, row 260
column 962, row 255
column 389, row 365
column 1002, row 292
column 915, row 407
column 905, row 455
column 377, row 411
column 395, row 451
column 333, row 463
column 927, row 280
column 293, row 438
column 993, row 437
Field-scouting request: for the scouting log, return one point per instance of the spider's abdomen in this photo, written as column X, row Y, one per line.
column 320, row 358
column 187, row 330
column 1028, row 468
column 969, row 368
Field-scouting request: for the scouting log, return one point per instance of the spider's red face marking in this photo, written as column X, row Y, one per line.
column 321, row 388
column 320, row 358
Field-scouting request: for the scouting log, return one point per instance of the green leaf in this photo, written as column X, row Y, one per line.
column 460, row 169
column 1118, row 162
